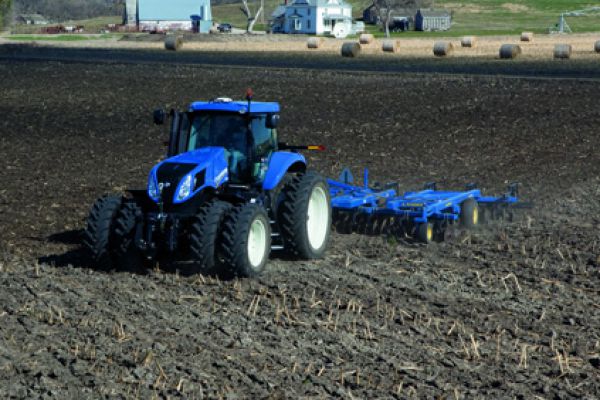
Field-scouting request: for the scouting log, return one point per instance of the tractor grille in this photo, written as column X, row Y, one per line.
column 170, row 174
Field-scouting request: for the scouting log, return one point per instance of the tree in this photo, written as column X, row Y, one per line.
column 5, row 12
column 251, row 19
column 385, row 8
column 62, row 10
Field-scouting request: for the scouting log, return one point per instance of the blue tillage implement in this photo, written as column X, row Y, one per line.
column 422, row 207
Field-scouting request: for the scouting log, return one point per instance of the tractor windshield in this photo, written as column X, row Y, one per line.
column 244, row 148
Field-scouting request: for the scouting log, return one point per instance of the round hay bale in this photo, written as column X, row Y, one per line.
column 527, row 37
column 390, row 46
column 468, row 41
column 314, row 42
column 442, row 49
column 350, row 49
column 597, row 46
column 563, row 51
column 366, row 38
column 173, row 42
column 510, row 51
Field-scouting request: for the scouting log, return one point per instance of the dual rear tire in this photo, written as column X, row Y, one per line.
column 304, row 216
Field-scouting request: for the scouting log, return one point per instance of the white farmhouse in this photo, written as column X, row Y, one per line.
column 315, row 17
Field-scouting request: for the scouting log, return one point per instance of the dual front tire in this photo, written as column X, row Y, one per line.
column 110, row 232
column 239, row 238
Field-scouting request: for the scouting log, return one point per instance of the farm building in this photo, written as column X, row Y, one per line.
column 158, row 15
column 317, row 17
column 371, row 16
column 433, row 20
column 31, row 19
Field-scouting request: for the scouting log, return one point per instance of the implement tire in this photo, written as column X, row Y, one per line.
column 469, row 213
column 204, row 235
column 425, row 232
column 246, row 240
column 98, row 237
column 127, row 255
column 304, row 216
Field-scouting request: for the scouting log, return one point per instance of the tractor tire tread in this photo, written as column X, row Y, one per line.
column 292, row 215
column 233, row 243
column 205, row 235
column 98, row 231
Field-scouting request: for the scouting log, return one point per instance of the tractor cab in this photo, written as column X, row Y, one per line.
column 247, row 131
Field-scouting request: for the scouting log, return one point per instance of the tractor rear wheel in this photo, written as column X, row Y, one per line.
column 127, row 255
column 469, row 213
column 246, row 240
column 98, row 236
column 204, row 234
column 304, row 216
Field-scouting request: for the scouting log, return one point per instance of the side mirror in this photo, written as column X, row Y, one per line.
column 159, row 116
column 272, row 121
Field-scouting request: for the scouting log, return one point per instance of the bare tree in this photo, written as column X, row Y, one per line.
column 251, row 19
column 385, row 8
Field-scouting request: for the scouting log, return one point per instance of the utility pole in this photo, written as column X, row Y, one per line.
column 262, row 15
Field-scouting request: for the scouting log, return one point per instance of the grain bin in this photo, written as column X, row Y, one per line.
column 390, row 46
column 563, row 51
column 510, row 51
column 350, row 49
column 442, row 49
column 173, row 42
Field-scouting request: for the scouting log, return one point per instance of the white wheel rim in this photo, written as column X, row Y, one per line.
column 257, row 242
column 317, row 218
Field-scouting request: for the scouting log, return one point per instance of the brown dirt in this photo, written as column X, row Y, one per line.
column 487, row 46
column 509, row 311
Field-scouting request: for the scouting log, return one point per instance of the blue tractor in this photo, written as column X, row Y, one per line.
column 227, row 195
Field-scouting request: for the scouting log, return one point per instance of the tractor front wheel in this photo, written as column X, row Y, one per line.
column 127, row 255
column 98, row 236
column 305, row 216
column 204, row 235
column 246, row 240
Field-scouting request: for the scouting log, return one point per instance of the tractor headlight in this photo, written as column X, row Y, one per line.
column 185, row 189
column 153, row 191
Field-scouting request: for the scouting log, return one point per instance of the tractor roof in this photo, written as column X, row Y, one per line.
column 228, row 105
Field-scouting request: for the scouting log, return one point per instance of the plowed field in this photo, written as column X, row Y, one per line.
column 511, row 310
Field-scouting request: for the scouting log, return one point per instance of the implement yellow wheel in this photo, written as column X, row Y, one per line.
column 424, row 232
column 469, row 213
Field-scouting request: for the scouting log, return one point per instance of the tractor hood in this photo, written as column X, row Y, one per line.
column 179, row 178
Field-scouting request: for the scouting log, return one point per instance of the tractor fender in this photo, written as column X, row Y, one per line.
column 281, row 162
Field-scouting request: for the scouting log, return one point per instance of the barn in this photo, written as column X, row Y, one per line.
column 371, row 16
column 160, row 16
column 433, row 20
column 31, row 19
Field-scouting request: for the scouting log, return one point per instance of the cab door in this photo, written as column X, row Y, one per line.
column 179, row 134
